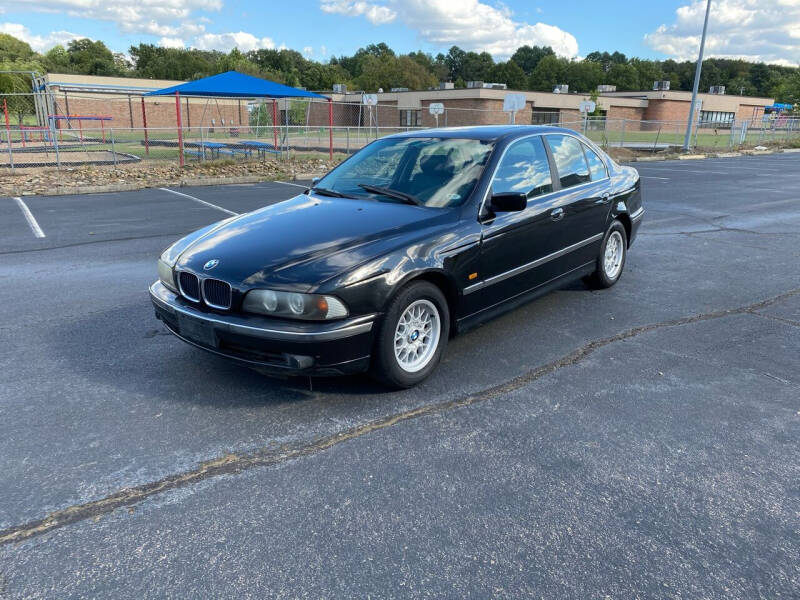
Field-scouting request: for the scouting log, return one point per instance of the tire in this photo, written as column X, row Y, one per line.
column 417, row 313
column 611, row 261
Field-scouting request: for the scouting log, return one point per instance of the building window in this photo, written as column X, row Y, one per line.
column 410, row 118
column 544, row 116
column 714, row 118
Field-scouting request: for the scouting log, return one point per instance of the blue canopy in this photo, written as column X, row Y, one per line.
column 235, row 85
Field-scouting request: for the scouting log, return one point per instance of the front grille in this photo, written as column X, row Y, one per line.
column 189, row 285
column 216, row 293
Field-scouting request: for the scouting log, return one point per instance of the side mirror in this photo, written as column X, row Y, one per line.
column 509, row 202
column 315, row 181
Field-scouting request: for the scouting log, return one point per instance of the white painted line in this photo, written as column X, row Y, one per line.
column 225, row 210
column 37, row 231
column 653, row 177
column 305, row 187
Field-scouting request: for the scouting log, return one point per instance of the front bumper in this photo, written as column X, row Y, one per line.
column 276, row 346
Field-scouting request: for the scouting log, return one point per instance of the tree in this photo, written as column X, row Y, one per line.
column 56, row 60
column 91, row 58
column 455, row 62
column 12, row 49
column 550, row 71
column 509, row 73
column 624, row 76
column 527, row 57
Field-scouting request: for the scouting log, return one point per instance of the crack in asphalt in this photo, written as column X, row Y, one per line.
column 92, row 242
column 233, row 463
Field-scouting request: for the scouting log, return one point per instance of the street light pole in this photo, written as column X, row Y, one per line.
column 696, row 81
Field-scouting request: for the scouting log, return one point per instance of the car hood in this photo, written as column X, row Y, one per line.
column 306, row 240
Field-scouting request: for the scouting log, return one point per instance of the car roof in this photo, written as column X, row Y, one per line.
column 482, row 132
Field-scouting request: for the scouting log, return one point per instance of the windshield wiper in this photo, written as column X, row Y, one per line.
column 376, row 189
column 327, row 192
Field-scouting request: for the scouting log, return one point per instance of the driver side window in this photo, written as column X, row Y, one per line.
column 524, row 169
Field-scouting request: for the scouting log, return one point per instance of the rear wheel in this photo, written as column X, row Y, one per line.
column 611, row 261
column 412, row 336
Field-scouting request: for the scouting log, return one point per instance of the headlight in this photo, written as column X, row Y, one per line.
column 293, row 305
column 166, row 276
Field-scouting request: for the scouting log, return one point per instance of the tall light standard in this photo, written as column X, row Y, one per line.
column 696, row 80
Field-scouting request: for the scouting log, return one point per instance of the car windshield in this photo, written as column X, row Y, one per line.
column 434, row 172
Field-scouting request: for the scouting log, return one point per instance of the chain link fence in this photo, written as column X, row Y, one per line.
column 128, row 130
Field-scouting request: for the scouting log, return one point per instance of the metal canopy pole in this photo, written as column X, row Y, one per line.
column 330, row 128
column 697, row 70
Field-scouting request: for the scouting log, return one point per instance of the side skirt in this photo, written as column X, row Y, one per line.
column 490, row 312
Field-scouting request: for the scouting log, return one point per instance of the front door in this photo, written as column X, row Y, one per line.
column 514, row 244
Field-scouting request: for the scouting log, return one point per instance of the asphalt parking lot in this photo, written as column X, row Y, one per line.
column 640, row 441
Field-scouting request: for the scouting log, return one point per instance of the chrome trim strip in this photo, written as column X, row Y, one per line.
column 531, row 265
column 159, row 294
column 637, row 214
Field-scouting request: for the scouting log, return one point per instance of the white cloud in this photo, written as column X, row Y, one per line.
column 227, row 41
column 377, row 14
column 166, row 18
column 748, row 29
column 308, row 50
column 168, row 42
column 38, row 42
column 470, row 24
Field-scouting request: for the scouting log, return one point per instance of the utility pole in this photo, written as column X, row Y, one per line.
column 697, row 70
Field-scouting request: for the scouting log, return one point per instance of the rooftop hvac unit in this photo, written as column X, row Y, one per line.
column 398, row 89
column 719, row 90
column 603, row 88
column 474, row 84
column 660, row 86
column 561, row 88
column 446, row 85
column 495, row 86
column 339, row 88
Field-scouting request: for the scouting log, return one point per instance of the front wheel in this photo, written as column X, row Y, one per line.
column 612, row 257
column 412, row 336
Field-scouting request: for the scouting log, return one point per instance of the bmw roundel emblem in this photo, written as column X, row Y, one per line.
column 210, row 264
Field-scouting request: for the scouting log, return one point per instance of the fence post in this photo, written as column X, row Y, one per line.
column 274, row 123
column 180, row 127
column 113, row 149
column 655, row 144
column 202, row 144
column 347, row 151
column 144, row 124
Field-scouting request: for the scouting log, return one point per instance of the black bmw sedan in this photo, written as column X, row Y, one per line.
column 416, row 237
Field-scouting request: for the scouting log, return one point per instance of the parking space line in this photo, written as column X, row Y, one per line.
column 225, row 210
column 653, row 177
column 37, row 231
column 305, row 187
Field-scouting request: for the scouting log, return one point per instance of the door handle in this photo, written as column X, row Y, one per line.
column 603, row 199
column 557, row 214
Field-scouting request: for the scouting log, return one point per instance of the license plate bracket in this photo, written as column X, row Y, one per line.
column 197, row 330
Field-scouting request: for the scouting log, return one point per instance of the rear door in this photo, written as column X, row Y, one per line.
column 582, row 199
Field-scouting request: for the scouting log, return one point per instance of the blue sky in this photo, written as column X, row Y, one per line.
column 750, row 29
